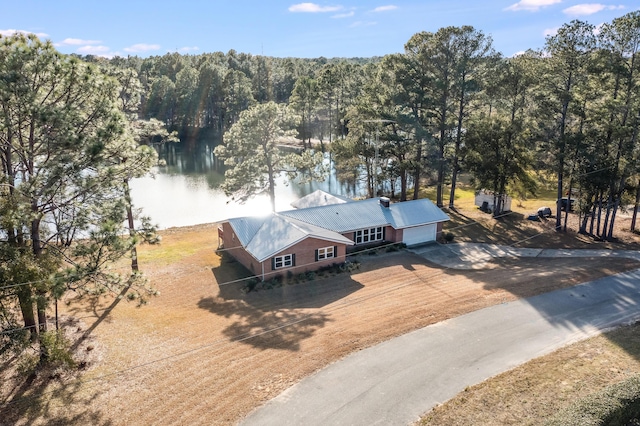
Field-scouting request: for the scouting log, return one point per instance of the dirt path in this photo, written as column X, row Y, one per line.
column 204, row 353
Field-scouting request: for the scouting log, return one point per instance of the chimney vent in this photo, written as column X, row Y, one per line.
column 384, row 201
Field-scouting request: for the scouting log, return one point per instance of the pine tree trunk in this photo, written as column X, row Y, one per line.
column 635, row 209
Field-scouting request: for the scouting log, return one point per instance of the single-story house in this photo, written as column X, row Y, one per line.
column 307, row 239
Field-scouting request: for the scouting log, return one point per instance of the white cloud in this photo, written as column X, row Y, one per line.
column 550, row 32
column 313, row 8
column 10, row 32
column 588, row 9
column 95, row 50
column 189, row 49
column 344, row 15
column 385, row 8
column 531, row 5
column 362, row 24
column 141, row 47
column 77, row 42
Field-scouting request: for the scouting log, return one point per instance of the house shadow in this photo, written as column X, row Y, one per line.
column 278, row 328
column 275, row 316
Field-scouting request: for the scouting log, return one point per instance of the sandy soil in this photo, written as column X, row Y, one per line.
column 205, row 353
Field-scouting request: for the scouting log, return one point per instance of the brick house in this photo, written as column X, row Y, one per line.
column 307, row 239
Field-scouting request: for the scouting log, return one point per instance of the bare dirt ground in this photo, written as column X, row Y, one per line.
column 202, row 352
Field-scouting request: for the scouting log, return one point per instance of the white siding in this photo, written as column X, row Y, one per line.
column 419, row 234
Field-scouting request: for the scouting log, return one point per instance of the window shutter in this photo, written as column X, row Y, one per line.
column 384, row 232
column 335, row 251
column 316, row 255
column 273, row 263
column 293, row 259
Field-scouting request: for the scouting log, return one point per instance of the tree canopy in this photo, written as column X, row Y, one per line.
column 66, row 151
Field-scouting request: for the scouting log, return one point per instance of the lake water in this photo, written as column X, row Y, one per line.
column 187, row 190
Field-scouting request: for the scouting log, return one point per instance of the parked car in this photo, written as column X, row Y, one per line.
column 544, row 211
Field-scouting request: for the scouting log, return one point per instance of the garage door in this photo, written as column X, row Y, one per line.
column 419, row 234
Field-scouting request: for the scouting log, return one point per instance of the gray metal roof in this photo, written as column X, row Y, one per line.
column 370, row 213
column 266, row 236
column 415, row 213
column 319, row 198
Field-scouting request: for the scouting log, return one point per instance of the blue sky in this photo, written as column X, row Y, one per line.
column 340, row 28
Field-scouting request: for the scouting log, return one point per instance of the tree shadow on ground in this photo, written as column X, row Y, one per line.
column 514, row 229
column 38, row 403
column 44, row 396
column 532, row 280
column 279, row 317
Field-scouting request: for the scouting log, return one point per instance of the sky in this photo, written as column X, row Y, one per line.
column 334, row 28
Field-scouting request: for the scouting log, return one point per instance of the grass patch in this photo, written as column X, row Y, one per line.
column 175, row 246
column 600, row 373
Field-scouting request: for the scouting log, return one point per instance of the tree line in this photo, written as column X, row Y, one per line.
column 448, row 104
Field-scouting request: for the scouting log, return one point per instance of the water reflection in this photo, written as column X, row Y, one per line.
column 186, row 191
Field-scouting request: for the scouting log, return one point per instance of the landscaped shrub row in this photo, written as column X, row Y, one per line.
column 618, row 404
column 380, row 248
column 289, row 279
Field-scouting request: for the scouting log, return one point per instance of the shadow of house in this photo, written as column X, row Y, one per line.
column 266, row 329
column 278, row 318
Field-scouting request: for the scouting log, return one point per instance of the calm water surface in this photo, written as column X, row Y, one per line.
column 187, row 190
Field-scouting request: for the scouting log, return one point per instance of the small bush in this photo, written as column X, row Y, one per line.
column 57, row 349
column 310, row 275
column 615, row 405
column 395, row 247
column 27, row 364
column 448, row 237
column 251, row 284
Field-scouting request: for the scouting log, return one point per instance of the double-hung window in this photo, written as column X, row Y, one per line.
column 283, row 261
column 325, row 253
column 369, row 235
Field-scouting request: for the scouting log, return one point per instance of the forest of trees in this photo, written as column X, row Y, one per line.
column 74, row 130
column 448, row 104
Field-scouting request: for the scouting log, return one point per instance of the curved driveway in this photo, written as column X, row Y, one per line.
column 398, row 380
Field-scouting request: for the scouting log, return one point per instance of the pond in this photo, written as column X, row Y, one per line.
column 187, row 190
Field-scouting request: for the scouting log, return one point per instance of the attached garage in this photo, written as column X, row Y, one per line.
column 419, row 234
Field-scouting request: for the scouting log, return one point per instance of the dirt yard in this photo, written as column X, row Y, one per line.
column 202, row 352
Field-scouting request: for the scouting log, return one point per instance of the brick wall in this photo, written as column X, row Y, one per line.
column 305, row 252
column 305, row 260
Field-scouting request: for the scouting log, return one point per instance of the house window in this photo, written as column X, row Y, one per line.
column 369, row 235
column 283, row 261
column 326, row 253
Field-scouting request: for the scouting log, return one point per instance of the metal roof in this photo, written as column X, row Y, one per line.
column 319, row 198
column 370, row 213
column 415, row 213
column 266, row 236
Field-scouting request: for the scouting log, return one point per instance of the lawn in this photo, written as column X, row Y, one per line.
column 203, row 352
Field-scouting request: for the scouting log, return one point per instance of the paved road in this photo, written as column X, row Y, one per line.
column 395, row 382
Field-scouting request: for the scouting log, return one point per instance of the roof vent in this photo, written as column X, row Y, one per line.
column 384, row 202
